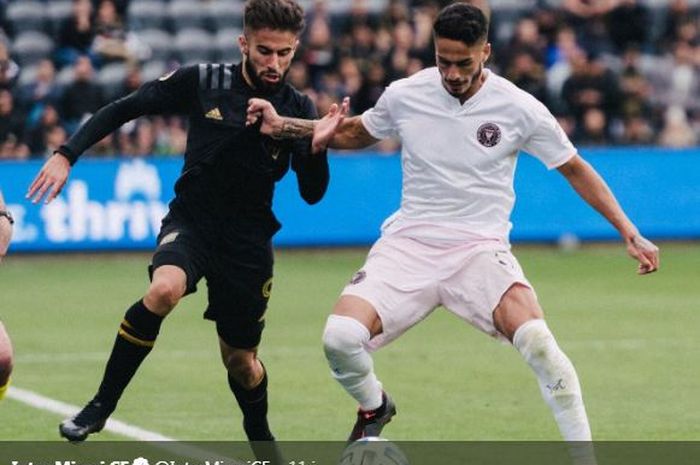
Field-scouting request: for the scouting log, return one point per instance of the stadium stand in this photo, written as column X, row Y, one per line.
column 639, row 58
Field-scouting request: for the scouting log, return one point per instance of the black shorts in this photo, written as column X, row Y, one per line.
column 238, row 273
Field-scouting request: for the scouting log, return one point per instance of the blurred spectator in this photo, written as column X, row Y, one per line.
column 628, row 24
column 76, row 33
column 55, row 137
column 9, row 70
column 42, row 91
column 593, row 129
column 675, row 80
column 36, row 138
column 177, row 136
column 635, row 88
column 144, row 138
column 423, row 18
column 83, row 96
column 401, row 52
column 298, row 76
column 112, row 41
column 319, row 52
column 110, row 34
column 561, row 54
column 591, row 86
column 13, row 149
column 587, row 17
column 350, row 76
column 636, row 130
column 548, row 23
column 357, row 15
column 528, row 74
column 688, row 31
column 677, row 132
column 121, row 6
column 132, row 81
column 372, row 87
column 526, row 38
column 396, row 12
column 11, row 121
column 678, row 14
column 361, row 46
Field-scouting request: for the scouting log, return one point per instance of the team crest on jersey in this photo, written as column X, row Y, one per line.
column 358, row 277
column 488, row 134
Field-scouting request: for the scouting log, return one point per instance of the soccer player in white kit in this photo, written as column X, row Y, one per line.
column 461, row 127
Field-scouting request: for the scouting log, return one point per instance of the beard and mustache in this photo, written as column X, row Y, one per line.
column 266, row 88
column 473, row 80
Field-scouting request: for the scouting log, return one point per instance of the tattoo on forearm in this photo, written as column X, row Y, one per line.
column 294, row 128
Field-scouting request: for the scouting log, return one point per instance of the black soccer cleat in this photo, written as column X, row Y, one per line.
column 370, row 423
column 91, row 419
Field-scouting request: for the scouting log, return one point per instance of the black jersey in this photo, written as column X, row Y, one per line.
column 229, row 172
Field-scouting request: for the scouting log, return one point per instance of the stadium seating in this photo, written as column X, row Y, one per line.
column 187, row 14
column 31, row 46
column 153, row 70
column 227, row 45
column 159, row 41
column 147, row 14
column 111, row 78
column 225, row 15
column 57, row 12
column 193, row 46
column 26, row 16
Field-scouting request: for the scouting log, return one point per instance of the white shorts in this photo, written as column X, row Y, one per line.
column 405, row 280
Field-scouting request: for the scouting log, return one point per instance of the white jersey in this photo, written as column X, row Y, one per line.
column 458, row 159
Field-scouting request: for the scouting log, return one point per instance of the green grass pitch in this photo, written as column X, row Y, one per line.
column 634, row 341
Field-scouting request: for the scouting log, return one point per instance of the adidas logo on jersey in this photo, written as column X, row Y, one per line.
column 214, row 113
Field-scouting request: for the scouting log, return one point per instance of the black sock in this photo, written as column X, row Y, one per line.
column 137, row 334
column 253, row 404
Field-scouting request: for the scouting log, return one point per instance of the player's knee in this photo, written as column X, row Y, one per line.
column 343, row 335
column 164, row 294
column 535, row 341
column 243, row 369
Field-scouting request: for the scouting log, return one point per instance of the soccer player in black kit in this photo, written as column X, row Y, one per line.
column 220, row 222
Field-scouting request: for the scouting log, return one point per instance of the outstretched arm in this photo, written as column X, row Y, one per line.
column 54, row 174
column 593, row 189
column 333, row 130
column 174, row 93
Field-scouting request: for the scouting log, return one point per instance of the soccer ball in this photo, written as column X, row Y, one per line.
column 372, row 450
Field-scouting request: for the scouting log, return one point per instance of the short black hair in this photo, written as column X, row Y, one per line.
column 463, row 22
column 281, row 15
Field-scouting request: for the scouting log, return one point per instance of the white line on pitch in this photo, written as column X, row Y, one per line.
column 115, row 426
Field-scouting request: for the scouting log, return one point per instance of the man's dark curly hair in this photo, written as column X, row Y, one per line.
column 463, row 22
column 281, row 15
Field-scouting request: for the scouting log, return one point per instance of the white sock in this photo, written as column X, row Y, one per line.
column 344, row 342
column 557, row 378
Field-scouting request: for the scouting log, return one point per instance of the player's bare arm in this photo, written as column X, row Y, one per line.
column 321, row 131
column 593, row 189
column 352, row 134
column 50, row 179
column 333, row 130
